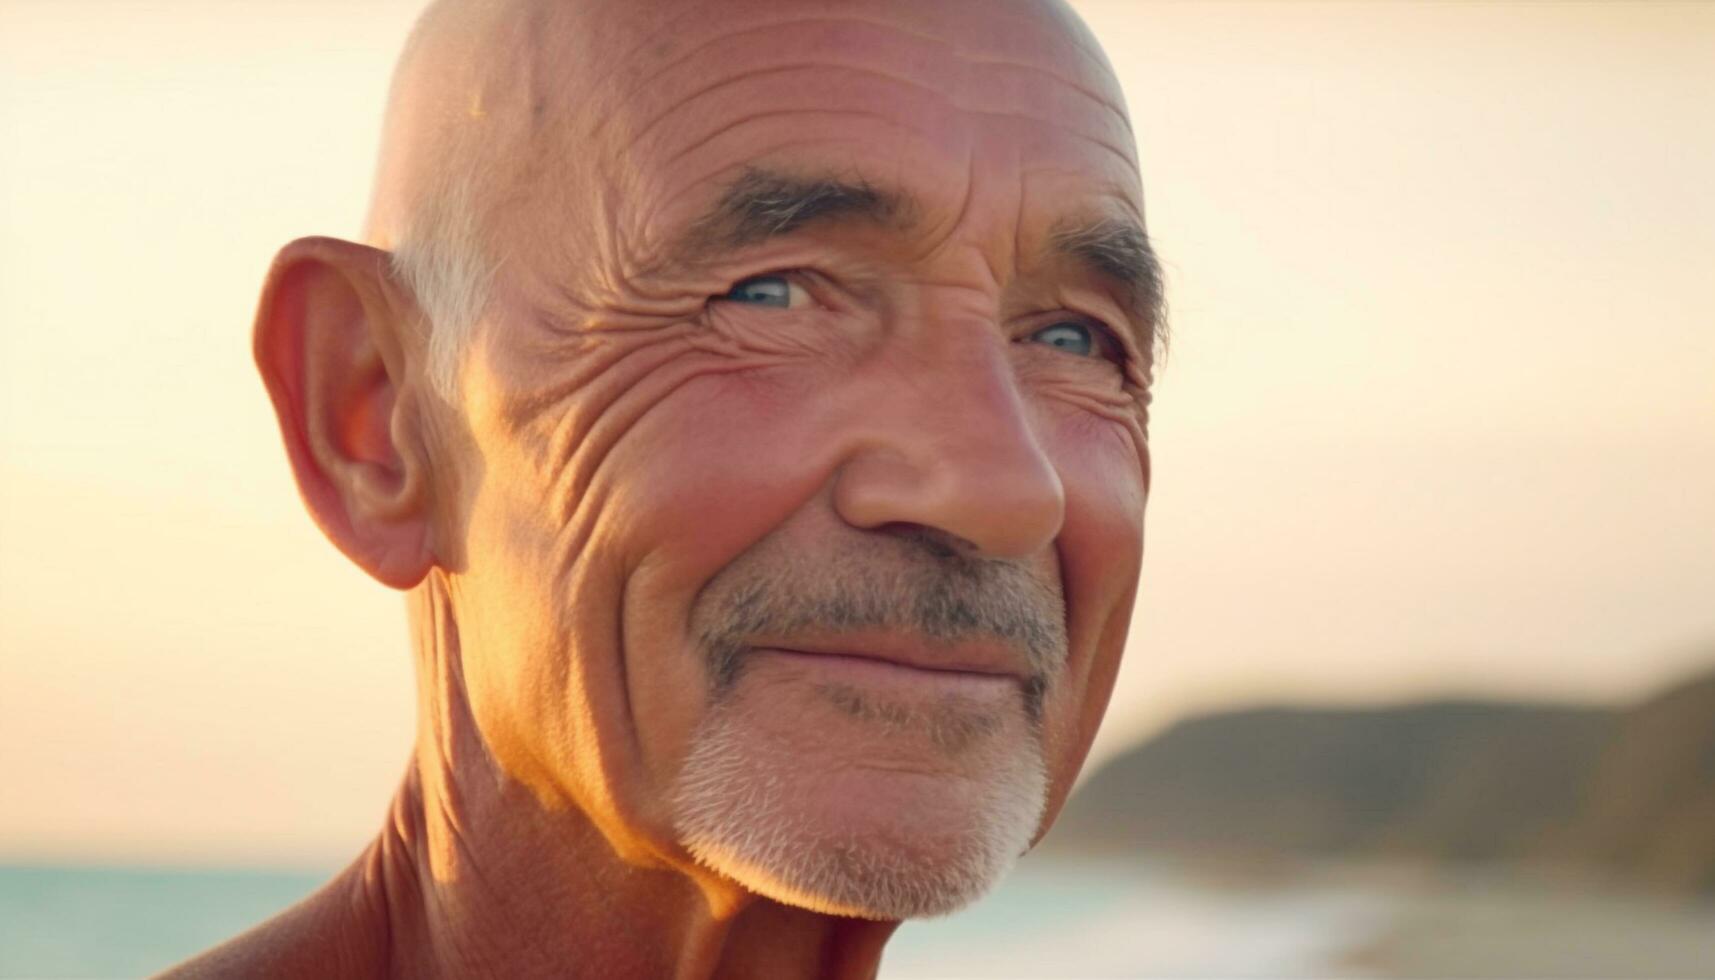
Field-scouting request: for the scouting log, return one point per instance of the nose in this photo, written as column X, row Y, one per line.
column 947, row 446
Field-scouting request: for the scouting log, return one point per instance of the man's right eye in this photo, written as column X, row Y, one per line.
column 777, row 291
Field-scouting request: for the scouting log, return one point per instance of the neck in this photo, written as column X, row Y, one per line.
column 433, row 899
column 473, row 876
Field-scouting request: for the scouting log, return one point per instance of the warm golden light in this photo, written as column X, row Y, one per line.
column 1440, row 413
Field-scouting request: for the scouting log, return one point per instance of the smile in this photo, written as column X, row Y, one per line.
column 869, row 670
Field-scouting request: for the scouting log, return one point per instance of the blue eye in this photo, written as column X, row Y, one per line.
column 762, row 291
column 1070, row 336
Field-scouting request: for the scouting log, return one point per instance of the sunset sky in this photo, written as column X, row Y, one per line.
column 1439, row 415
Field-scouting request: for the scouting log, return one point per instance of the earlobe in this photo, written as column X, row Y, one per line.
column 331, row 342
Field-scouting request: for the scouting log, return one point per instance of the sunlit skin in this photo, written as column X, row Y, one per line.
column 658, row 409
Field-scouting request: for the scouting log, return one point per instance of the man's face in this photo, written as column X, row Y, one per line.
column 803, row 468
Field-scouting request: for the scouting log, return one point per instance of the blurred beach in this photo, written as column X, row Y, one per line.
column 1330, row 919
column 1049, row 919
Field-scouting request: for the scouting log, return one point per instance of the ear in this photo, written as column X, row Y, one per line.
column 328, row 342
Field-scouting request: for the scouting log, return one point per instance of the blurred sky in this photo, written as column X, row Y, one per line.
column 1439, row 417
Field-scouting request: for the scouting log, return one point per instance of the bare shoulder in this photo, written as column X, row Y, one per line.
column 340, row 931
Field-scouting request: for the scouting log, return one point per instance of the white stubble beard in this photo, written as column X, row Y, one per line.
column 737, row 805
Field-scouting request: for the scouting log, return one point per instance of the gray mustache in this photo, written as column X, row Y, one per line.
column 944, row 598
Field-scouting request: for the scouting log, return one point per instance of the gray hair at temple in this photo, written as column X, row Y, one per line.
column 440, row 257
column 429, row 204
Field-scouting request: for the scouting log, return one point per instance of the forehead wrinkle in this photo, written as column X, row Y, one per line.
column 684, row 104
column 1071, row 30
column 762, row 151
column 1125, row 154
column 749, row 118
column 1098, row 98
column 1101, row 100
column 898, row 65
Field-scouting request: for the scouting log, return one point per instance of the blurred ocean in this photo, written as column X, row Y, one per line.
column 128, row 922
column 1047, row 920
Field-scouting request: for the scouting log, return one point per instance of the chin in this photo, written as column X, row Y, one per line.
column 877, row 814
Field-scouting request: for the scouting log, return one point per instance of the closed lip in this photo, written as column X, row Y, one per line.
column 991, row 659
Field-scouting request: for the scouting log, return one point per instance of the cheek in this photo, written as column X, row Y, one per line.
column 1103, row 470
column 519, row 638
column 713, row 469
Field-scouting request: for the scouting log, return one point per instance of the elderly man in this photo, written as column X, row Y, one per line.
column 751, row 397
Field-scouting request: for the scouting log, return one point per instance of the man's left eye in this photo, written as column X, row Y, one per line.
column 777, row 291
column 1070, row 336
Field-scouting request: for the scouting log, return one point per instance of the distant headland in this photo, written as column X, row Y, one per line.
column 1627, row 793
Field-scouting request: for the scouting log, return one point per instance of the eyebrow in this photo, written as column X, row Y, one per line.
column 1118, row 249
column 764, row 204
